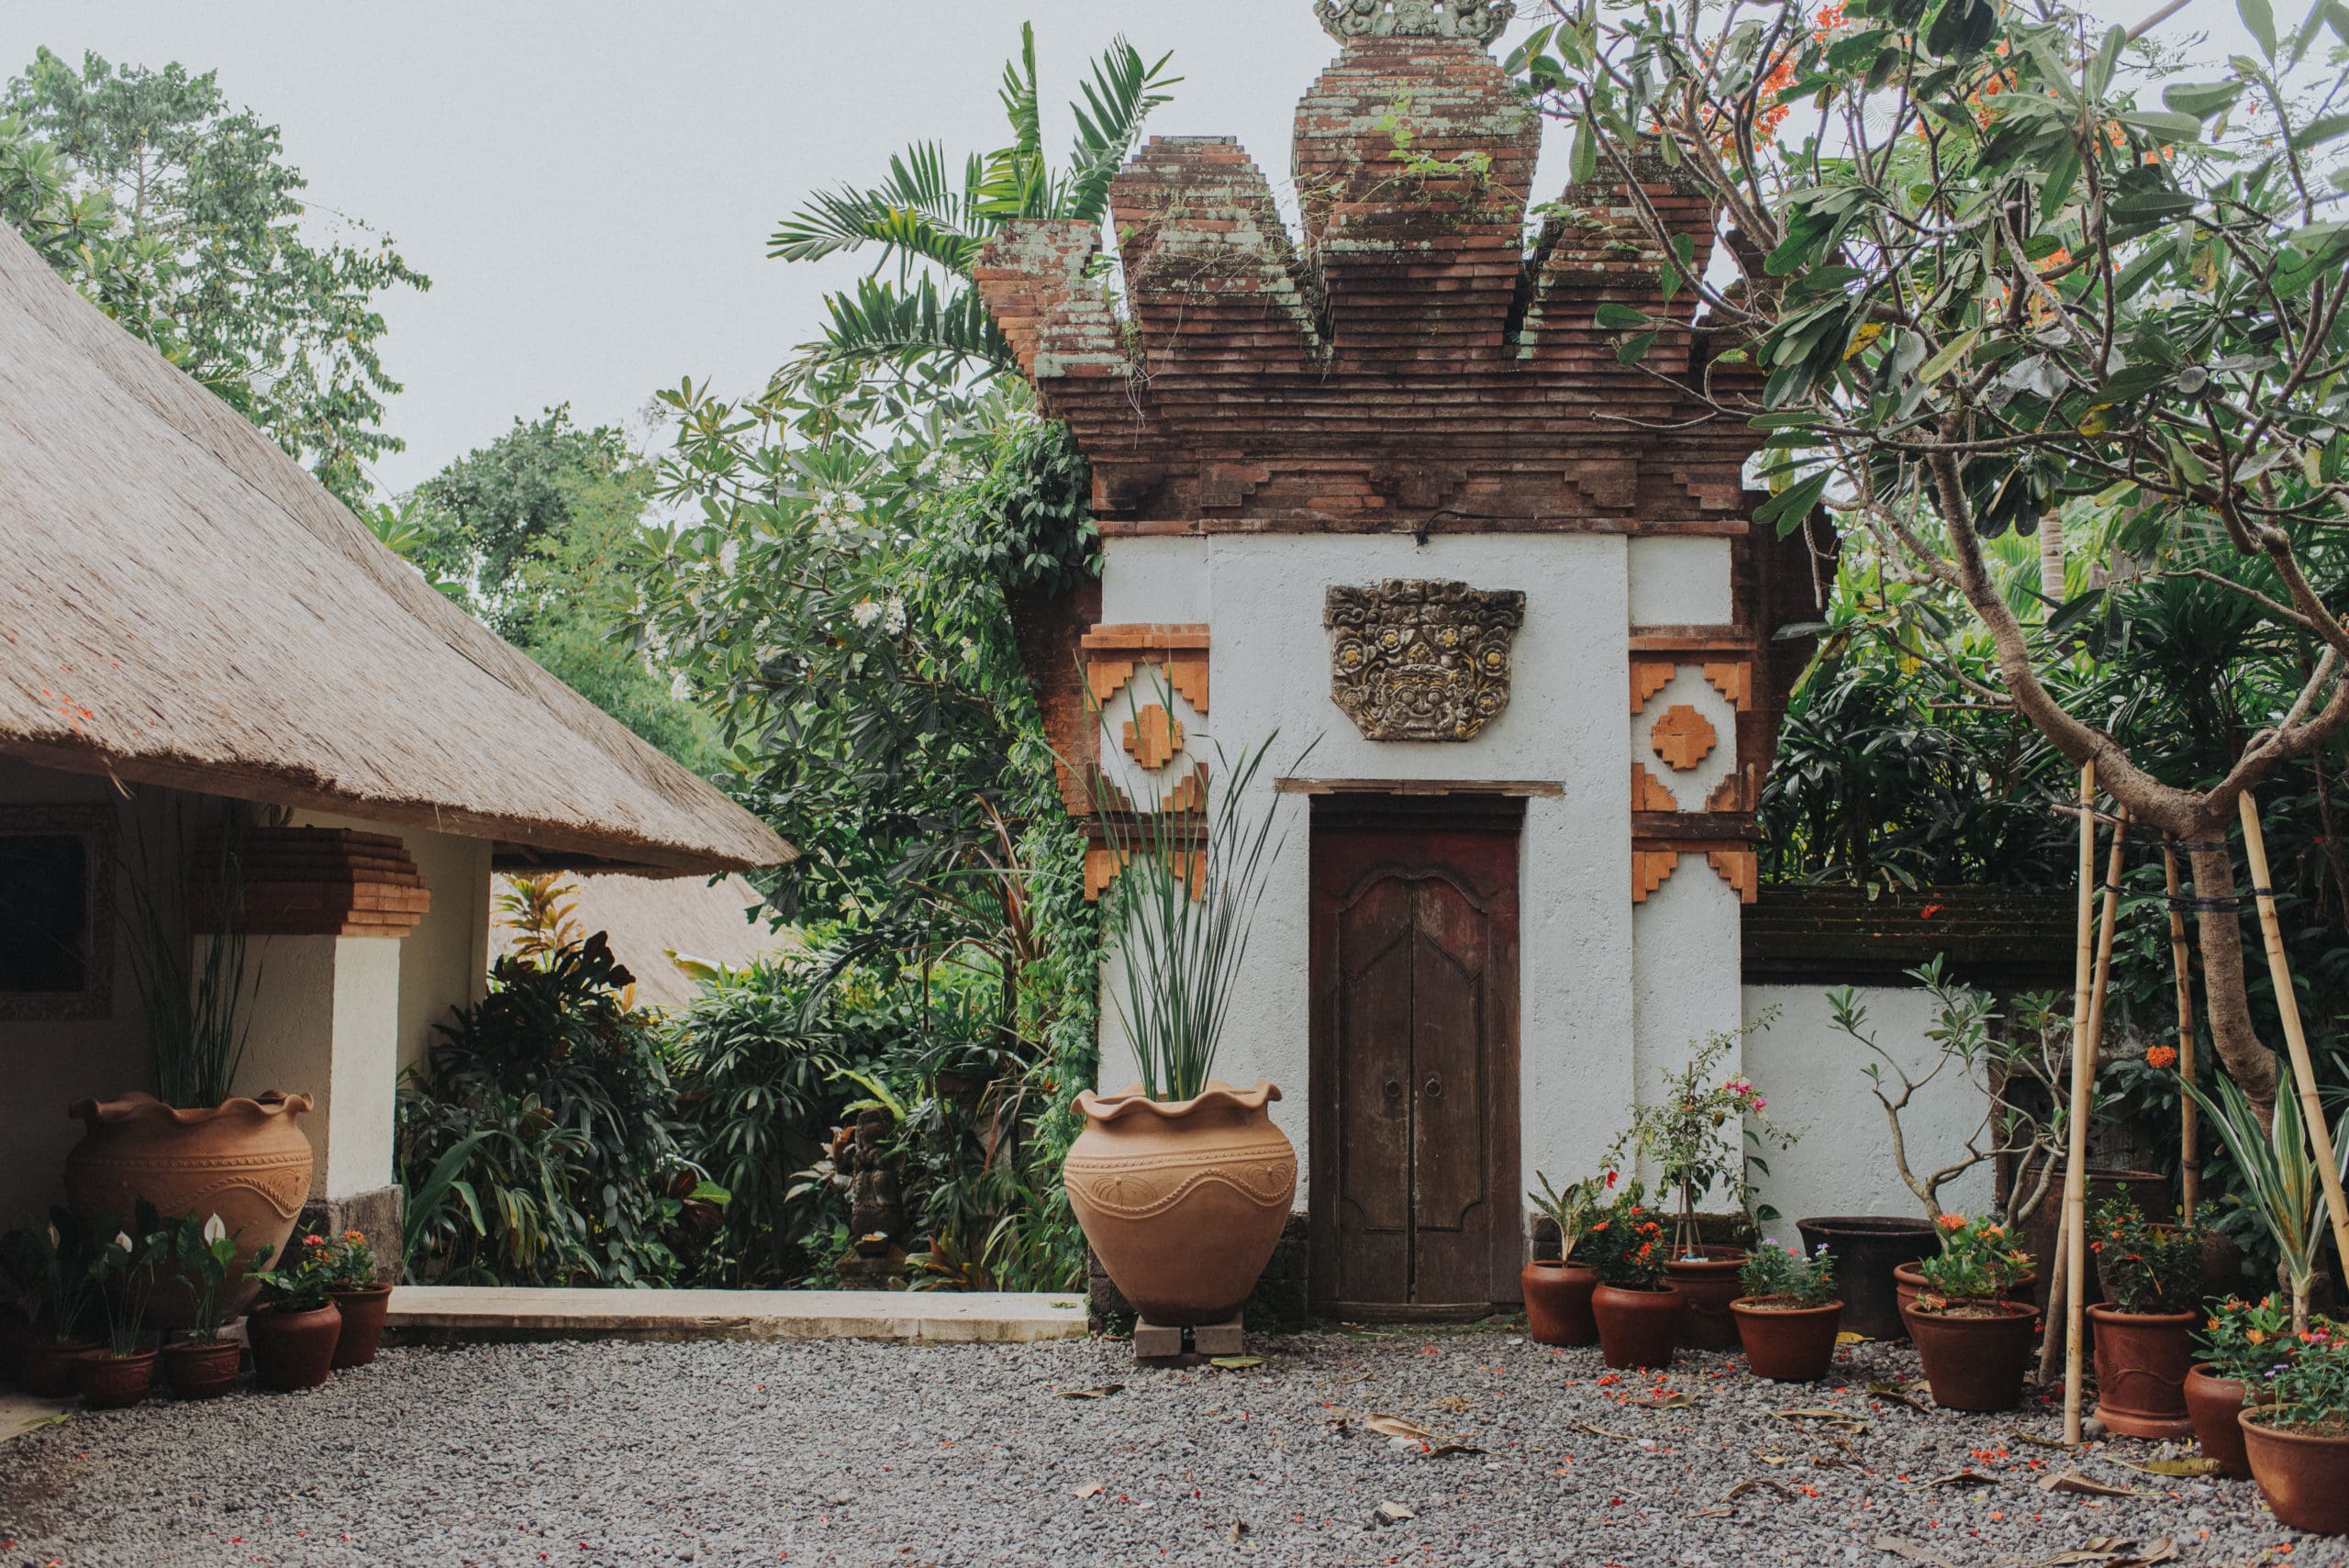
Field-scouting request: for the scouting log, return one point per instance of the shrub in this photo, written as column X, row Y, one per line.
column 1626, row 1245
column 2248, row 1341
column 1978, row 1260
column 2145, row 1267
column 2310, row 1393
column 1783, row 1276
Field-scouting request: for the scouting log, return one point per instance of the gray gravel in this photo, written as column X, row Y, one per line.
column 850, row 1454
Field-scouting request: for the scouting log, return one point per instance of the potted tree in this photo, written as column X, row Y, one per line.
column 2244, row 1346
column 59, row 1282
column 358, row 1296
column 2298, row 1438
column 1974, row 1343
column 1181, row 1181
column 2143, row 1340
column 203, row 1363
column 1637, row 1314
column 1789, row 1315
column 123, row 1373
column 1698, row 1134
column 294, row 1329
column 1557, row 1290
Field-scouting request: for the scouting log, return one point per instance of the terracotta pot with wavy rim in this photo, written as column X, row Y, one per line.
column 203, row 1369
column 1707, row 1284
column 115, row 1382
column 245, row 1160
column 1183, row 1199
column 362, row 1324
column 2142, row 1360
column 294, row 1350
column 1557, row 1302
column 1787, row 1344
column 1636, row 1327
column 1976, row 1361
column 2304, row 1478
column 51, row 1365
column 2212, row 1403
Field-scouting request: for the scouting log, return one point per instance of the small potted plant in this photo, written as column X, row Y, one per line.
column 360, row 1297
column 1788, row 1317
column 122, row 1373
column 203, row 1363
column 2244, row 1345
column 58, row 1287
column 2144, row 1346
column 1637, row 1314
column 1557, row 1290
column 2298, row 1437
column 1974, row 1343
column 294, row 1329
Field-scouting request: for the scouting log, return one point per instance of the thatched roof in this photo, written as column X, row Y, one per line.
column 182, row 604
column 648, row 919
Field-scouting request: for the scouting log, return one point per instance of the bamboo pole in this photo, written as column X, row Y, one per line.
column 2303, row 1072
column 2083, row 978
column 2075, row 1184
column 2189, row 1152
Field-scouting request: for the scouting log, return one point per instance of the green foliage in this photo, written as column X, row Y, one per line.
column 179, row 217
column 1782, row 1276
column 2310, row 1393
column 2146, row 1267
column 49, row 1271
column 1574, row 1210
column 203, row 1252
column 2248, row 1341
column 302, row 1278
column 2281, row 1182
column 122, row 1277
column 1625, row 1245
column 1701, row 1133
column 1978, row 1260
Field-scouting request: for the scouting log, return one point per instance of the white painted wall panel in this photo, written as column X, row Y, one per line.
column 1680, row 582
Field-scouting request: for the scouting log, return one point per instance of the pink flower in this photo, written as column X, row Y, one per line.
column 1760, row 1104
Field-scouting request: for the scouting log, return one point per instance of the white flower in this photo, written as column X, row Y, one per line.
column 679, row 687
column 214, row 1230
column 893, row 619
column 970, row 652
column 122, row 1240
column 728, row 553
column 865, row 613
column 54, row 1240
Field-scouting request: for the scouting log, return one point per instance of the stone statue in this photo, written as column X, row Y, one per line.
column 1480, row 21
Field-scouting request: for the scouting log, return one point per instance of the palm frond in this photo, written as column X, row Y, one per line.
column 1022, row 100
column 890, row 324
column 1124, row 90
column 915, row 213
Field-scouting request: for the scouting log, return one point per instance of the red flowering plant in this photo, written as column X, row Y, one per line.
column 299, row 1284
column 1978, row 1261
column 351, row 1261
column 1626, row 1245
column 2146, row 1268
column 2249, row 1341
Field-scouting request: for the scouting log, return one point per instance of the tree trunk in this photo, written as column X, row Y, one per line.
column 2220, row 936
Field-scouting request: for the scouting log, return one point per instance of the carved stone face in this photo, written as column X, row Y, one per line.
column 1480, row 21
column 1413, row 659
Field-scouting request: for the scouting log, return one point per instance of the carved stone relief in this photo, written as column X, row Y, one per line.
column 1481, row 20
column 1413, row 659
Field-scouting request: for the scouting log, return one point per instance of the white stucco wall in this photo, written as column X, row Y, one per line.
column 1810, row 1073
column 1567, row 723
column 1682, row 989
column 1679, row 582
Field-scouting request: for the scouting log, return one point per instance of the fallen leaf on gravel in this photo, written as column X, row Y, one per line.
column 1776, row 1458
column 2111, row 1552
column 2173, row 1467
column 1235, row 1364
column 2072, row 1481
column 1842, row 1419
column 1239, row 1529
column 1957, row 1478
column 2163, row 1551
column 1912, row 1551
column 1358, row 1378
column 2036, row 1440
column 1392, row 1514
column 1455, row 1403
column 1898, row 1394
column 1674, row 1401
column 1101, row 1393
column 1094, row 1490
column 1396, row 1427
column 1602, row 1431
column 1850, row 1337
column 1752, row 1484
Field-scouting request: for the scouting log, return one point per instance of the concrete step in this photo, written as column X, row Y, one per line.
column 940, row 1316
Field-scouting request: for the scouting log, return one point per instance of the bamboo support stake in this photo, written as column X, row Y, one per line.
column 2303, row 1072
column 2076, row 1184
column 2190, row 1150
column 2082, row 976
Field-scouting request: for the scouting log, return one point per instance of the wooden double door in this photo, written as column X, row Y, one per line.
column 1414, row 1208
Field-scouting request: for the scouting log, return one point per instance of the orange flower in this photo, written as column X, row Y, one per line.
column 1951, row 1222
column 2162, row 1056
column 354, row 1235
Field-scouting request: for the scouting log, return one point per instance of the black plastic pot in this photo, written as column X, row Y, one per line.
column 1867, row 1248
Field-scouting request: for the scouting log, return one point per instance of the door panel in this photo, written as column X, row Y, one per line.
column 1414, row 1092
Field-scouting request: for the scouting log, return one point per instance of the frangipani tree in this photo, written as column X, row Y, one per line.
column 1986, row 275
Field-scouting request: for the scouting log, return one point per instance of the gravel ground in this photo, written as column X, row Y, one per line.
column 846, row 1454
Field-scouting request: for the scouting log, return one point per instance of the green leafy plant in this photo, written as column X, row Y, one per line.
column 197, row 995
column 1978, row 1261
column 1699, row 1132
column 2145, row 1267
column 122, row 1273
column 52, row 1266
column 2281, row 1183
column 350, row 1262
column 1783, row 1276
column 1625, row 1245
column 2248, row 1341
column 1574, row 1210
column 205, row 1251
column 2310, row 1393
column 303, row 1277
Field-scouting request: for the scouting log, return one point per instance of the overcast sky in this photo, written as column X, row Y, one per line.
column 590, row 183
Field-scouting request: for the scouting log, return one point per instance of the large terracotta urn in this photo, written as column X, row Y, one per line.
column 245, row 1160
column 1184, row 1200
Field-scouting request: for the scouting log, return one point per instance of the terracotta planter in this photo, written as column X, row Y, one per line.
column 1184, row 1200
column 1557, row 1303
column 245, row 1162
column 202, row 1369
column 1707, row 1284
column 1790, row 1344
column 2142, row 1360
column 1974, row 1363
column 1908, row 1283
column 51, row 1366
column 115, row 1382
column 1867, row 1248
column 294, row 1350
column 1636, row 1327
column 362, row 1324
column 2212, row 1403
column 2305, row 1478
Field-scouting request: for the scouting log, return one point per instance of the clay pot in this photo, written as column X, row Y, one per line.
column 115, row 1382
column 1557, row 1303
column 1790, row 1344
column 1636, row 1327
column 202, row 1369
column 1908, row 1283
column 294, row 1350
column 1867, row 1248
column 51, row 1365
column 362, row 1324
column 2304, row 1478
column 1707, row 1284
column 2142, row 1360
column 2211, row 1404
column 1975, row 1359
column 1184, row 1200
column 245, row 1162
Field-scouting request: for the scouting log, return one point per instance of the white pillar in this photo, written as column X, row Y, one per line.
column 324, row 1021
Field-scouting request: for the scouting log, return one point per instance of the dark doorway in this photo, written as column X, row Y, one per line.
column 1414, row 1094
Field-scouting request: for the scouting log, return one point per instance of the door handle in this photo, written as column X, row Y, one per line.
column 1435, row 1087
column 1393, row 1089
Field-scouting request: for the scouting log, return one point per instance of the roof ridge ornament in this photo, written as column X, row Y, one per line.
column 1480, row 21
